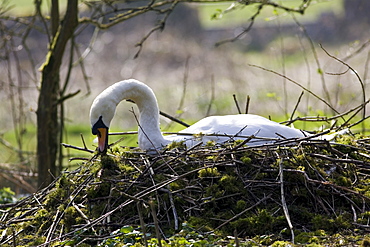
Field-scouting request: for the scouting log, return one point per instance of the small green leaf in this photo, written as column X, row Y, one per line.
column 126, row 229
column 271, row 95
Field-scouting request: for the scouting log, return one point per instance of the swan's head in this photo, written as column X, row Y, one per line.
column 104, row 106
column 101, row 114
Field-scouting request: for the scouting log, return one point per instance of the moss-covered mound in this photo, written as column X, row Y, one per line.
column 291, row 192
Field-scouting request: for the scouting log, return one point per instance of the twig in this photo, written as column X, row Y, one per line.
column 246, row 30
column 142, row 223
column 360, row 121
column 319, row 69
column 299, row 85
column 14, row 239
column 326, row 119
column 68, row 96
column 160, row 26
column 237, row 242
column 173, row 206
column 184, row 85
column 83, row 141
column 116, row 142
column 52, row 227
column 296, row 106
column 237, row 104
column 332, row 185
column 283, row 202
column 353, row 161
column 156, row 224
column 357, row 75
column 358, row 51
column 247, row 104
column 77, row 148
column 212, row 95
column 174, row 119
column 123, row 133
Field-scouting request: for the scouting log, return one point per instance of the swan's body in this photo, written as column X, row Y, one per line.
column 231, row 127
column 150, row 137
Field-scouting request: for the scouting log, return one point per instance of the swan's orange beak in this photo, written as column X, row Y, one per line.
column 102, row 139
column 101, row 130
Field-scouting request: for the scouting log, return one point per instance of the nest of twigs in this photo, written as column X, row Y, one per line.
column 226, row 189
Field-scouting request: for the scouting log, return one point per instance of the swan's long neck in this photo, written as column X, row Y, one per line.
column 149, row 135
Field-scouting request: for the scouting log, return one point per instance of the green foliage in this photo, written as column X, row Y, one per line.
column 231, row 184
column 108, row 162
column 246, row 160
column 208, row 172
column 281, row 244
column 262, row 222
column 331, row 225
column 188, row 236
column 174, row 145
column 6, row 195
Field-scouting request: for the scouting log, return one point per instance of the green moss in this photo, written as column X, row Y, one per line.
column 200, row 223
column 281, row 244
column 175, row 145
column 310, row 237
column 343, row 181
column 108, row 163
column 246, row 160
column 101, row 189
column 210, row 144
column 209, row 172
column 364, row 218
column 97, row 210
column 214, row 191
column 177, row 185
column 366, row 242
column 55, row 197
column 321, row 222
column 72, row 217
column 230, row 183
column 124, row 152
column 241, row 205
column 94, row 168
column 260, row 223
column 126, row 169
column 41, row 221
column 212, row 157
column 160, row 177
column 63, row 182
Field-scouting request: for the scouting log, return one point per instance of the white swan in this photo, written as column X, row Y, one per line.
column 150, row 137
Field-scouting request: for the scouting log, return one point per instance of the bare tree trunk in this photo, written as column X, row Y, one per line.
column 47, row 111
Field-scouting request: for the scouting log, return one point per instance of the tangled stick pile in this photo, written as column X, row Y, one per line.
column 228, row 189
